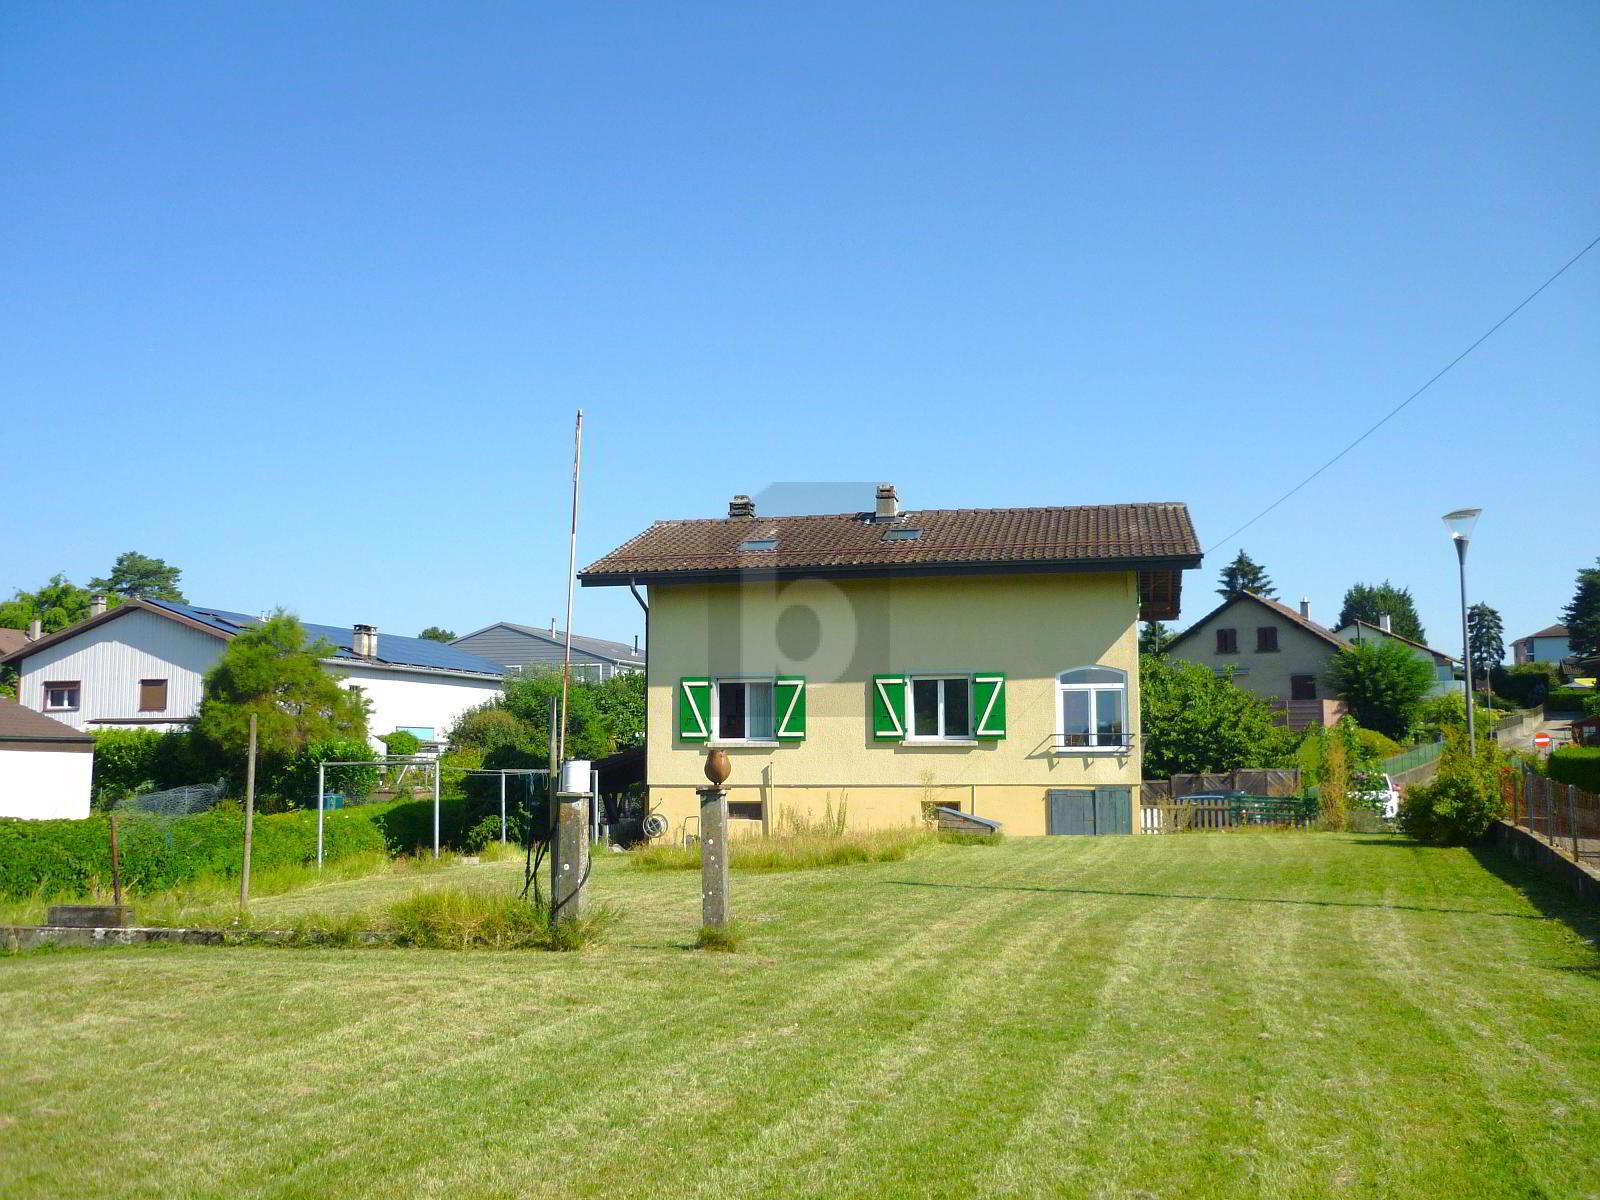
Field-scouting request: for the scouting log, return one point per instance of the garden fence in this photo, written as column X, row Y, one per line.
column 1233, row 812
column 1258, row 781
column 1560, row 813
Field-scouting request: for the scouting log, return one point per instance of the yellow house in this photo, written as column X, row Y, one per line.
column 861, row 667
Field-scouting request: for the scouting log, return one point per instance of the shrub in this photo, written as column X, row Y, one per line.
column 1567, row 700
column 140, row 760
column 1439, row 713
column 484, row 833
column 1577, row 765
column 402, row 743
column 296, row 781
column 1526, row 684
column 1195, row 721
column 1462, row 800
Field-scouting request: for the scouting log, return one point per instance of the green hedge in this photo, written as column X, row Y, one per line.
column 1567, row 700
column 72, row 857
column 1578, row 765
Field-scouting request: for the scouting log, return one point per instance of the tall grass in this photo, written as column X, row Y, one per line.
column 453, row 919
column 805, row 851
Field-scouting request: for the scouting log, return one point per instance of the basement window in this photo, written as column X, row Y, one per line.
column 902, row 535
column 755, row 544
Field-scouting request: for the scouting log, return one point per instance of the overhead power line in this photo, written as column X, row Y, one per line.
column 1388, row 416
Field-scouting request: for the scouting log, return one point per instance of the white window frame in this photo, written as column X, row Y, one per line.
column 76, row 686
column 767, row 681
column 938, row 739
column 1092, row 689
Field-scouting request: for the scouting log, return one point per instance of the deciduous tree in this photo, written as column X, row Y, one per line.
column 57, row 604
column 1194, row 720
column 1383, row 683
column 435, row 634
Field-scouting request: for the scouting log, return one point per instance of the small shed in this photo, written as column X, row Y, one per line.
column 46, row 767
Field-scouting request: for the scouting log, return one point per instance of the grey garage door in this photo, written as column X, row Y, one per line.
column 1086, row 812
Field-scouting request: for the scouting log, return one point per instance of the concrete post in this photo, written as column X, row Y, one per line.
column 502, row 808
column 714, row 900
column 436, row 808
column 249, row 817
column 322, row 786
column 569, row 851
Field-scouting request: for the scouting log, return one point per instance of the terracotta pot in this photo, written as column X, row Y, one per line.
column 718, row 768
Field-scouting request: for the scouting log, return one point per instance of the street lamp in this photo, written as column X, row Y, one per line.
column 1460, row 524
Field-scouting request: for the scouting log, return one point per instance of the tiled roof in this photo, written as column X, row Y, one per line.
column 23, row 724
column 12, row 639
column 1149, row 534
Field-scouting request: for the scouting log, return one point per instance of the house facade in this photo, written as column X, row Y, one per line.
column 1274, row 651
column 1551, row 645
column 142, row 665
column 863, row 666
column 524, row 649
column 1280, row 654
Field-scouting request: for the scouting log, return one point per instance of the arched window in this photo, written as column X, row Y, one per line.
column 1092, row 709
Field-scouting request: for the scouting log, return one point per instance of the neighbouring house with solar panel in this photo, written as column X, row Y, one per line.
column 880, row 663
column 141, row 665
column 526, row 649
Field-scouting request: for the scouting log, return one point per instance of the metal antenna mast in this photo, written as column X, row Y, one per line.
column 572, row 578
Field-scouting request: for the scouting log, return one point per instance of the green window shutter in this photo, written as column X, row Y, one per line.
column 889, row 707
column 789, row 703
column 694, row 710
column 989, row 704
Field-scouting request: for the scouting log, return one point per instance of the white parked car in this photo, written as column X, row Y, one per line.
column 1376, row 792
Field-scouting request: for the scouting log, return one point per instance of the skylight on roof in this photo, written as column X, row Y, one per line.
column 759, row 544
column 901, row 535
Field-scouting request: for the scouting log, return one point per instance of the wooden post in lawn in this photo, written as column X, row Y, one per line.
column 714, row 906
column 116, row 865
column 249, row 816
column 1572, row 820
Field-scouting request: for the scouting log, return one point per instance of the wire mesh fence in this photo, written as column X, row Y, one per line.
column 174, row 802
column 1564, row 815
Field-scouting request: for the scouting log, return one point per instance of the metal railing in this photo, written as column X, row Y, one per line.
column 1562, row 814
column 1410, row 760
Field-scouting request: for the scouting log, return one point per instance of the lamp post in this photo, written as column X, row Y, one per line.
column 1460, row 524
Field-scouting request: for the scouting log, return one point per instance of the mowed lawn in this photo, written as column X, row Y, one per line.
column 1191, row 1016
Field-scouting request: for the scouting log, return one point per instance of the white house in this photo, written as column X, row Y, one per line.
column 45, row 766
column 142, row 663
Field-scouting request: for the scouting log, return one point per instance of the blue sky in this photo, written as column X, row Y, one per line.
column 302, row 297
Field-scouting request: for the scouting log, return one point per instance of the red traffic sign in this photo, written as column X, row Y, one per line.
column 1541, row 740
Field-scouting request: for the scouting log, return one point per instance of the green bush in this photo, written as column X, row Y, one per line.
column 482, row 834
column 1526, row 684
column 141, row 760
column 1461, row 801
column 402, row 743
column 1567, row 700
column 296, row 781
column 1577, row 765
column 74, row 857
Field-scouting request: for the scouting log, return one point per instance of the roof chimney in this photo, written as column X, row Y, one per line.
column 636, row 643
column 1305, row 608
column 35, row 629
column 741, row 506
column 1386, row 622
column 364, row 643
column 97, row 604
column 552, row 627
column 888, row 503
